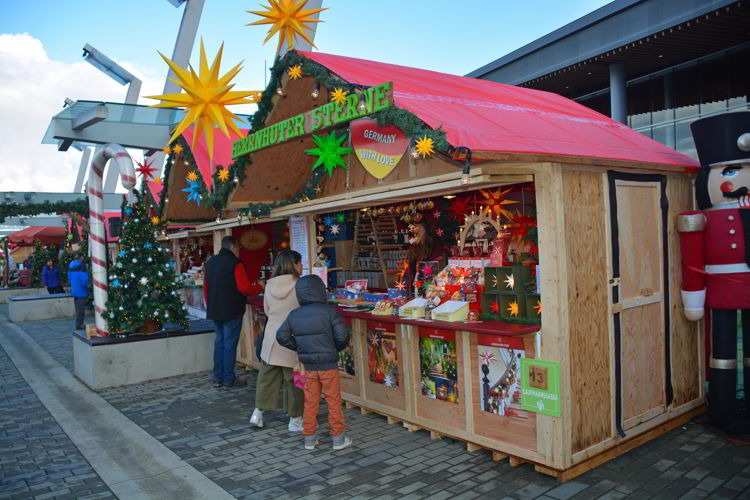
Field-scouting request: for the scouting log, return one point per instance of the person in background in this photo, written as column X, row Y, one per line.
column 278, row 362
column 78, row 277
column 224, row 290
column 51, row 277
column 318, row 332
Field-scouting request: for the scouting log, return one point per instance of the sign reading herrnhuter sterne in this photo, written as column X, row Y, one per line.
column 379, row 149
column 377, row 99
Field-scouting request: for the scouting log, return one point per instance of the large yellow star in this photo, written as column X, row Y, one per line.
column 289, row 19
column 205, row 99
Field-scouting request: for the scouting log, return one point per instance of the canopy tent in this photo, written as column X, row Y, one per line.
column 494, row 117
column 45, row 234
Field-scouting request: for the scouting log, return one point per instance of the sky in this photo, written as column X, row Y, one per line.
column 41, row 61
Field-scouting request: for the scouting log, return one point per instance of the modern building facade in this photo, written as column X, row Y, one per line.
column 655, row 65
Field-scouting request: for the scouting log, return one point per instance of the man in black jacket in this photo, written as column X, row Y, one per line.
column 225, row 288
column 317, row 332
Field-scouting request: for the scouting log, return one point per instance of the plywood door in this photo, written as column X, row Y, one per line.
column 640, row 302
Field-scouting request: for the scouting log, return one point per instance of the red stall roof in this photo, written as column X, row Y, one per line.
column 222, row 153
column 46, row 234
column 489, row 116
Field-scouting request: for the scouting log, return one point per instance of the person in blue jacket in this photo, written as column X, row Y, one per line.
column 78, row 277
column 51, row 277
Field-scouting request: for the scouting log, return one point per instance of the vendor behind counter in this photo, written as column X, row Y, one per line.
column 425, row 247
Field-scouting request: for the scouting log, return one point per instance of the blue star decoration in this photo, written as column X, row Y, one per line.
column 330, row 152
column 194, row 192
column 128, row 211
column 147, row 245
column 115, row 283
column 122, row 253
column 328, row 220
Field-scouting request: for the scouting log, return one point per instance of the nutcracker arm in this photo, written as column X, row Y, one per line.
column 690, row 226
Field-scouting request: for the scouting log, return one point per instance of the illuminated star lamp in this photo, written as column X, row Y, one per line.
column 205, row 99
column 223, row 175
column 330, row 152
column 339, row 96
column 294, row 72
column 425, row 147
column 288, row 18
column 495, row 202
column 513, row 308
column 145, row 169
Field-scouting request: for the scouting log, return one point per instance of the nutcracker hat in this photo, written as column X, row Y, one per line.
column 720, row 140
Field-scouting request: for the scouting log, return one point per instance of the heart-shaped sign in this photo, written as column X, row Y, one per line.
column 379, row 149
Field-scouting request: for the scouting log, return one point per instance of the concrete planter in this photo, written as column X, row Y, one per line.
column 39, row 307
column 5, row 293
column 103, row 362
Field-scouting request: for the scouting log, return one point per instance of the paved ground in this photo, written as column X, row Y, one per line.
column 206, row 428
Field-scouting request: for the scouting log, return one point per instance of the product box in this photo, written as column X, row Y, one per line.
column 395, row 293
column 374, row 297
column 384, row 308
column 413, row 308
column 453, row 310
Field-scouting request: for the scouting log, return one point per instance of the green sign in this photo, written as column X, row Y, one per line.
column 540, row 386
column 376, row 99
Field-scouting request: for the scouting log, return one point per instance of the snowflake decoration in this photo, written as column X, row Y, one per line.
column 329, row 152
column 388, row 381
column 192, row 176
column 223, row 175
column 155, row 220
column 194, row 192
column 144, row 281
column 510, row 281
column 328, row 220
column 294, row 72
column 513, row 308
column 487, row 357
column 339, row 96
column 425, row 147
column 335, row 229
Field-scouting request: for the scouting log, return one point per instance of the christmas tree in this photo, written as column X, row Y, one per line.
column 143, row 289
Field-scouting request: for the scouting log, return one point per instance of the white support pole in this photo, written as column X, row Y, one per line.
column 82, row 169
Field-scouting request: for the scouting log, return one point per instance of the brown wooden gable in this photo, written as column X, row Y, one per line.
column 178, row 208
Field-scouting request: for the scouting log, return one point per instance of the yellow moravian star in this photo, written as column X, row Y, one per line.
column 205, row 99
column 289, row 19
column 223, row 175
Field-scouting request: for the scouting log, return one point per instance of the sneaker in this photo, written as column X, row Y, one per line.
column 295, row 424
column 341, row 441
column 256, row 418
column 311, row 442
column 238, row 382
column 217, row 384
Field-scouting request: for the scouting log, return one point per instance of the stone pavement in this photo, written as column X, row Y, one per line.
column 206, row 428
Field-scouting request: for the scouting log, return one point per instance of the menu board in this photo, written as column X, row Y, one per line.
column 298, row 237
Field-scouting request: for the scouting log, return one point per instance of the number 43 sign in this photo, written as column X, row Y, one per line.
column 540, row 386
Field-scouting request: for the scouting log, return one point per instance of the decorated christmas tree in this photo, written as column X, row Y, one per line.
column 143, row 291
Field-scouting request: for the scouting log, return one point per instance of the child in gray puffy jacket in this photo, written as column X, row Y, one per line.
column 317, row 332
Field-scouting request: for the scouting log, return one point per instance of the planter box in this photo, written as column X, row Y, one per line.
column 39, row 307
column 5, row 293
column 104, row 362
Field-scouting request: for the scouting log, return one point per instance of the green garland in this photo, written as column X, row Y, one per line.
column 80, row 207
column 509, row 319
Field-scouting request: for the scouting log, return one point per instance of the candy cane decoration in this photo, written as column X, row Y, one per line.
column 97, row 241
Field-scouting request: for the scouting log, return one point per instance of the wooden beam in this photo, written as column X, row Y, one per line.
column 392, row 420
column 471, row 447
column 497, row 456
column 515, row 461
column 435, row 435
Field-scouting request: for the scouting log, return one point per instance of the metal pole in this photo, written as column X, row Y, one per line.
column 618, row 95
column 82, row 169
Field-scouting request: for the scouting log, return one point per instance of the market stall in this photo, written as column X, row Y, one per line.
column 555, row 332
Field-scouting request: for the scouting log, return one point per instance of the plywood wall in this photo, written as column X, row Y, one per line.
column 586, row 241
column 686, row 337
column 178, row 208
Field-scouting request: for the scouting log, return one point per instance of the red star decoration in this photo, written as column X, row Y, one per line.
column 439, row 231
column 524, row 223
column 436, row 214
column 145, row 169
column 459, row 207
column 495, row 307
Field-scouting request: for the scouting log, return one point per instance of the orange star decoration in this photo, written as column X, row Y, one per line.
column 539, row 308
column 145, row 169
column 154, row 220
column 177, row 149
column 192, row 176
column 495, row 202
column 157, row 180
column 400, row 285
column 167, row 150
column 339, row 96
column 289, row 18
column 294, row 72
column 513, row 308
column 223, row 175
column 425, row 147
column 205, row 99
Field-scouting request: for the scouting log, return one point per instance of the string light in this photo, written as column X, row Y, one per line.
column 362, row 107
column 316, row 90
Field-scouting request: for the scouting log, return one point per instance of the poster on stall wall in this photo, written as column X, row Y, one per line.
column 299, row 240
column 438, row 364
column 322, row 273
column 500, row 374
column 382, row 353
column 540, row 382
column 379, row 149
column 346, row 356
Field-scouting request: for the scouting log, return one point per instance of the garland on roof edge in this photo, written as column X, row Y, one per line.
column 79, row 207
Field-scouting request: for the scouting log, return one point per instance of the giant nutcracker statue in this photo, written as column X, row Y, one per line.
column 715, row 245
